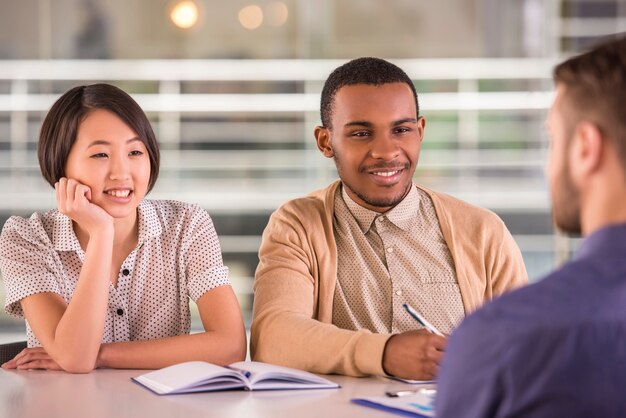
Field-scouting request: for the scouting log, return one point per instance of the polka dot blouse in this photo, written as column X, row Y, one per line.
column 177, row 257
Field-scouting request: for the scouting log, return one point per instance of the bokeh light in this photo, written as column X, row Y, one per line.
column 277, row 13
column 251, row 17
column 184, row 14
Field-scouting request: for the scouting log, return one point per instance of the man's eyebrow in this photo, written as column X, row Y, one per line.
column 103, row 142
column 405, row 120
column 363, row 123
column 366, row 124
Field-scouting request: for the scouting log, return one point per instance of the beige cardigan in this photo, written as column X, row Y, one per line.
column 295, row 282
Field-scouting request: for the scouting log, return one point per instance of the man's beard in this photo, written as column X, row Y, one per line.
column 389, row 202
column 379, row 203
column 566, row 203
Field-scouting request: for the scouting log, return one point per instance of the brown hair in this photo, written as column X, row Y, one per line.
column 59, row 128
column 595, row 90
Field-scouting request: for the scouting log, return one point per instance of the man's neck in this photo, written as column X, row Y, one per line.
column 603, row 205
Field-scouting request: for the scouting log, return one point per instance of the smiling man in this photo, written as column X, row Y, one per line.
column 337, row 266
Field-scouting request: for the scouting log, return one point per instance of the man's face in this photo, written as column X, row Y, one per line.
column 564, row 193
column 375, row 141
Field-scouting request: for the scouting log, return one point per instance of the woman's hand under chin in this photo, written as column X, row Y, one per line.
column 74, row 200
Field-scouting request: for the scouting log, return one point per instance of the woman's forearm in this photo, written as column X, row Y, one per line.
column 214, row 347
column 78, row 335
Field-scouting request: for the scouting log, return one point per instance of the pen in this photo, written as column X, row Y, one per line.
column 400, row 393
column 243, row 372
column 419, row 318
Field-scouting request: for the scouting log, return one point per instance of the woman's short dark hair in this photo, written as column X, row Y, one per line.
column 59, row 128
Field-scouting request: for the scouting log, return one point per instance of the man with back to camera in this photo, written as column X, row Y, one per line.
column 558, row 348
column 336, row 266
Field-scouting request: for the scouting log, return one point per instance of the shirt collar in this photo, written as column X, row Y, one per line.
column 149, row 223
column 402, row 215
column 363, row 216
column 64, row 238
column 606, row 242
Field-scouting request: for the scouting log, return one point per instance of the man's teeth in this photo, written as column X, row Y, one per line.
column 119, row 193
column 386, row 173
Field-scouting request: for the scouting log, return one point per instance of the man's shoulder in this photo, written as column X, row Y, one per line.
column 540, row 339
column 461, row 214
column 456, row 205
column 548, row 304
column 493, row 336
column 566, row 313
column 316, row 202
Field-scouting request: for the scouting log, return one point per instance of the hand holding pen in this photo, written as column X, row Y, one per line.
column 414, row 354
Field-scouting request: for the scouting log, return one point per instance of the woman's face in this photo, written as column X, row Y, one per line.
column 112, row 161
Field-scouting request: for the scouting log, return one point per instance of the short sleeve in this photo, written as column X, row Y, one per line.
column 27, row 264
column 202, row 256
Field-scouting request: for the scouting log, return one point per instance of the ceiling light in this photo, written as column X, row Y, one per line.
column 251, row 16
column 184, row 14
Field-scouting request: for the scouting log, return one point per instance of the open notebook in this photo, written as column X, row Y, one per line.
column 199, row 376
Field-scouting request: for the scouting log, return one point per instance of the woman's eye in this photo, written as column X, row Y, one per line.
column 99, row 155
column 136, row 153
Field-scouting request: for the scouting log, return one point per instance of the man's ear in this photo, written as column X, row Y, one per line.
column 588, row 148
column 322, row 136
column 421, row 125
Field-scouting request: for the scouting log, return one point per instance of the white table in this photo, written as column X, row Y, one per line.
column 111, row 393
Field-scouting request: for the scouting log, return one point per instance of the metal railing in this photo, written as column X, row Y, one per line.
column 237, row 138
column 173, row 106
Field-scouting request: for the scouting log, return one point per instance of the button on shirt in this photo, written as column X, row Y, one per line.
column 177, row 257
column 386, row 260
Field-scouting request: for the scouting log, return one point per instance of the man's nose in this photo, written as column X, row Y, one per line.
column 385, row 147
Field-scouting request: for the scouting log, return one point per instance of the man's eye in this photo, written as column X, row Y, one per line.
column 361, row 134
column 402, row 130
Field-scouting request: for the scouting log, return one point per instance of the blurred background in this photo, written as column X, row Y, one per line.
column 232, row 89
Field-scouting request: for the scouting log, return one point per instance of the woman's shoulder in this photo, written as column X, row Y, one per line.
column 36, row 229
column 173, row 212
column 171, row 208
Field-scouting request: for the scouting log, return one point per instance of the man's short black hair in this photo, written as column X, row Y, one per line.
column 367, row 70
